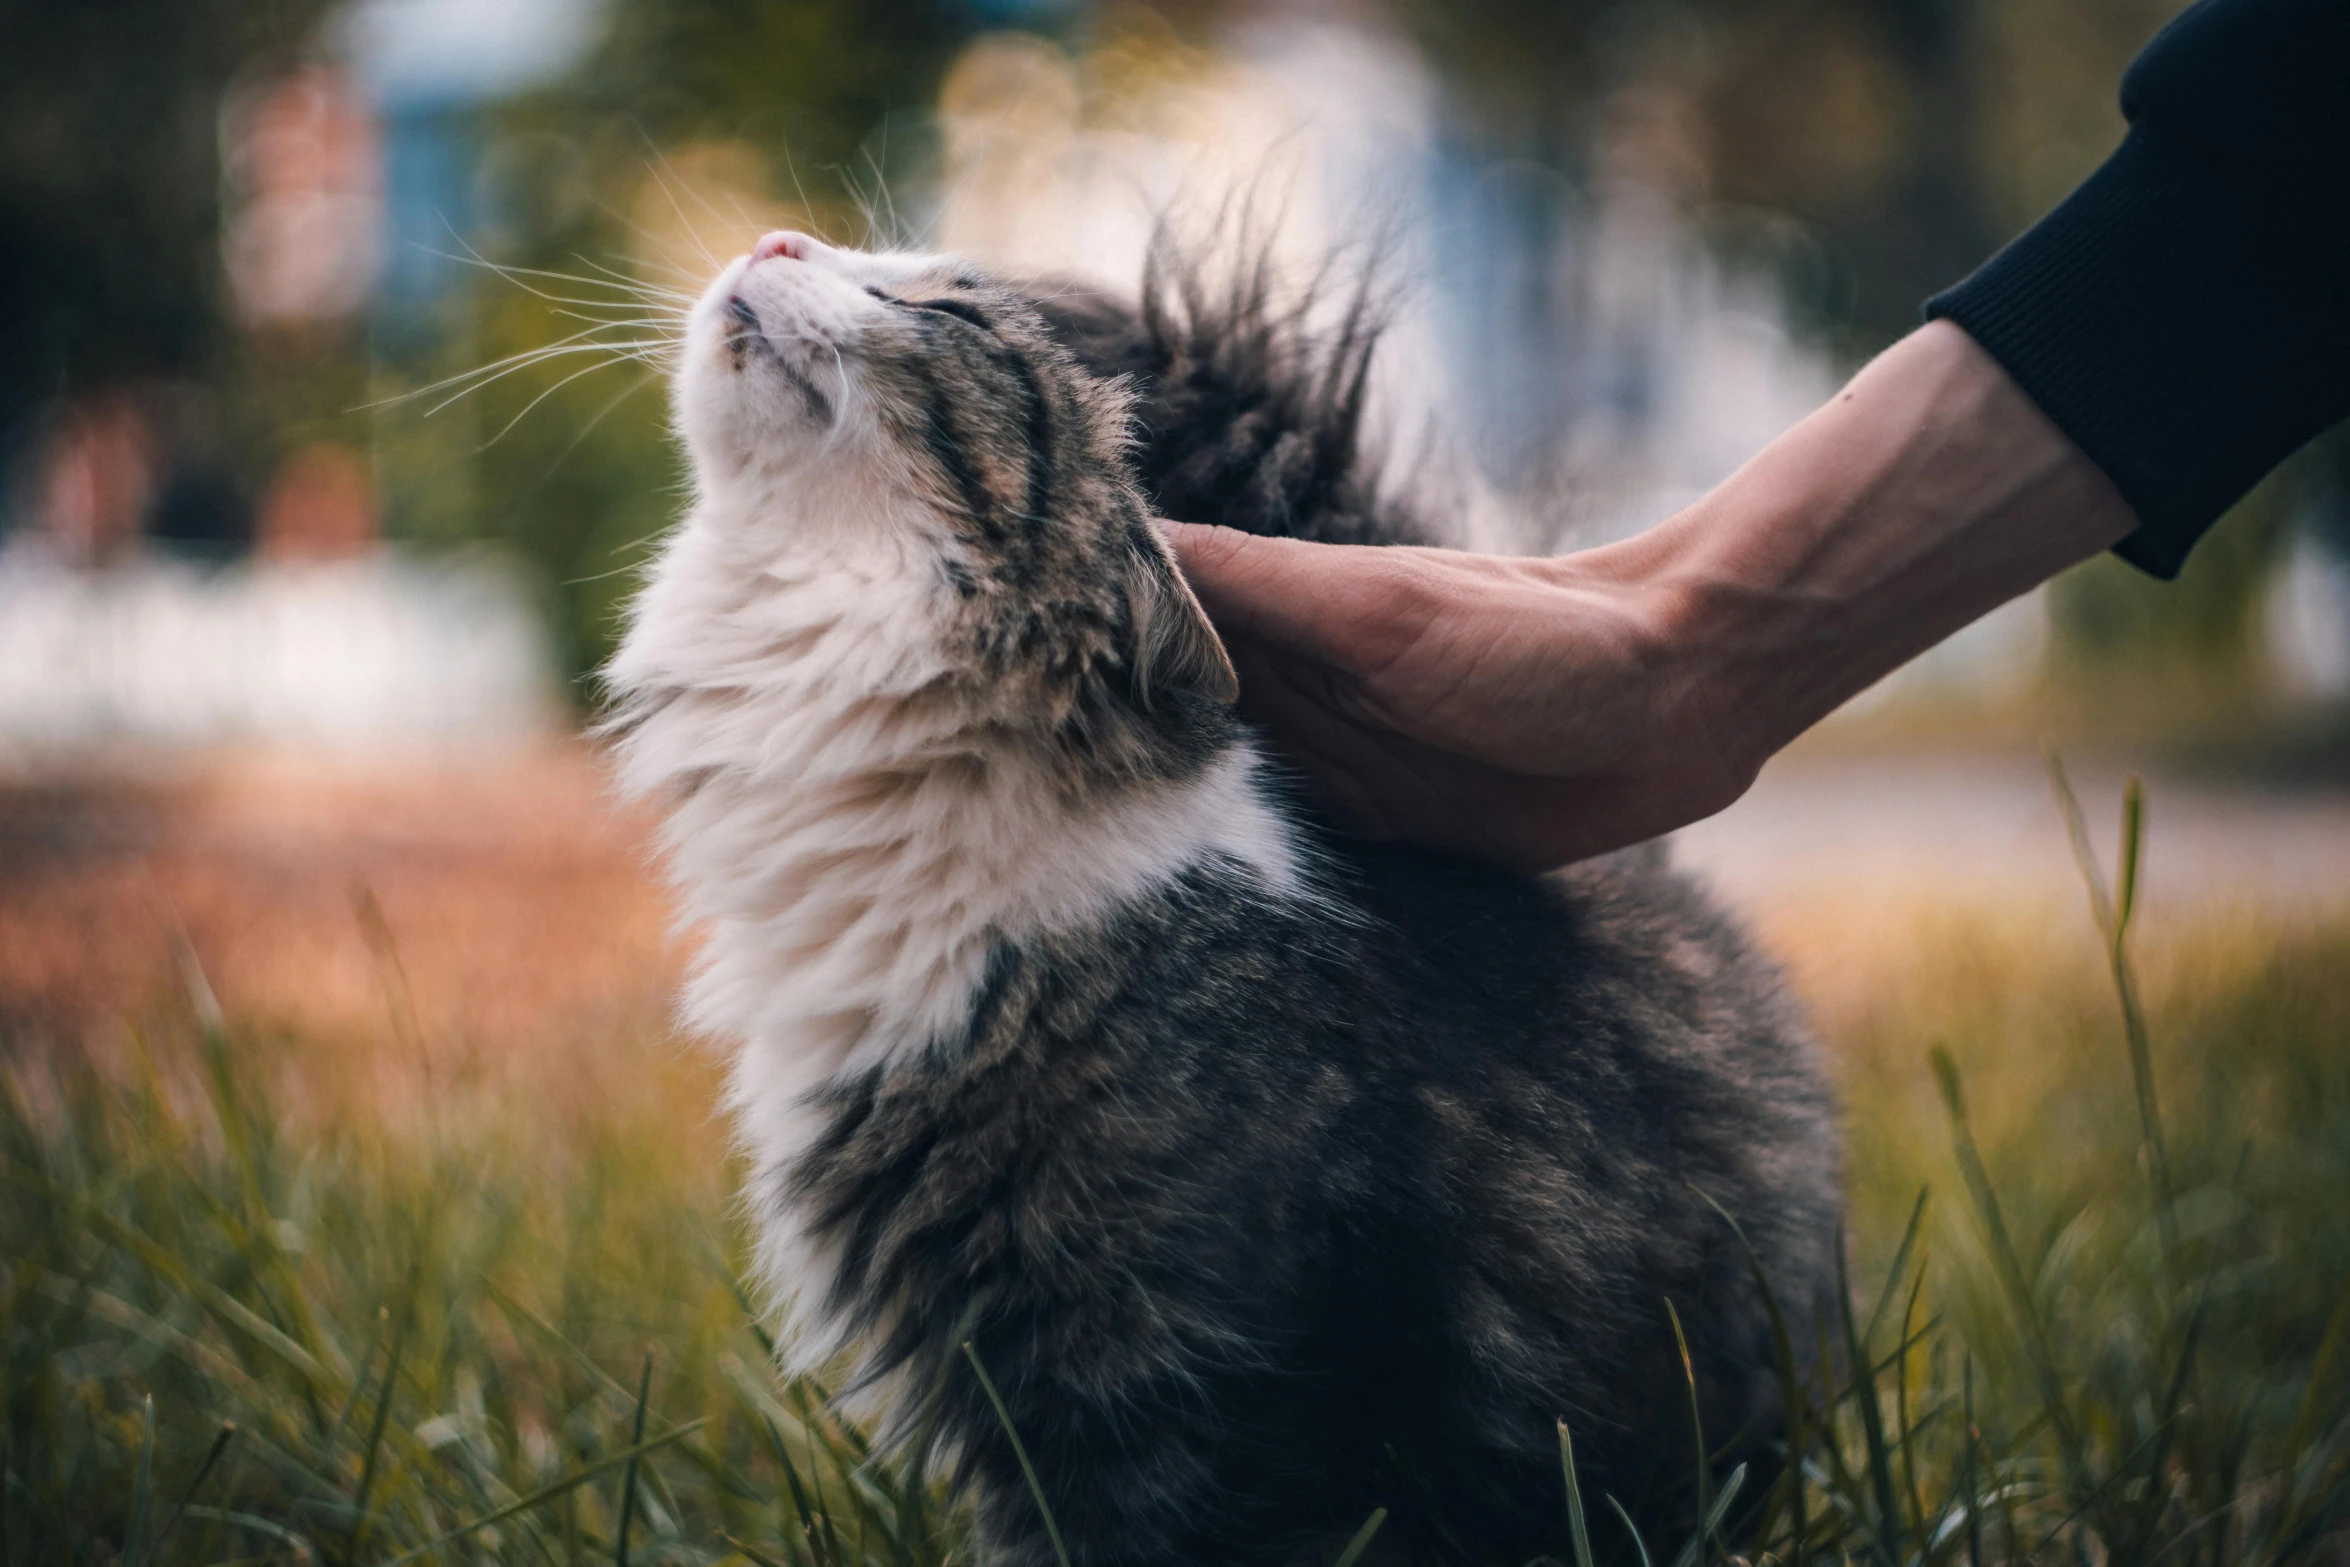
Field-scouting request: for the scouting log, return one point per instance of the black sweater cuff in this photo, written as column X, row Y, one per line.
column 2185, row 315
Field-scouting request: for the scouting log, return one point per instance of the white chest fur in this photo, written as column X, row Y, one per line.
column 853, row 850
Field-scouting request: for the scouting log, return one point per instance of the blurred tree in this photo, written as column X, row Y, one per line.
column 110, row 186
column 1910, row 136
column 1858, row 117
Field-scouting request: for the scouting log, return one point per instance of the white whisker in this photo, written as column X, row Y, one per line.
column 584, row 338
column 517, row 275
column 508, row 426
column 678, row 207
column 648, row 237
column 626, row 392
column 621, row 280
column 613, row 353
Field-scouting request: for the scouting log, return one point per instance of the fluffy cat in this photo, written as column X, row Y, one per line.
column 1273, row 1177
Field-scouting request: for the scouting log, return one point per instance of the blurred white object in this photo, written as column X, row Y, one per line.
column 454, row 51
column 303, row 240
column 2309, row 621
column 371, row 650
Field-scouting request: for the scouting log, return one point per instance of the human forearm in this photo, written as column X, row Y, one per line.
column 1927, row 493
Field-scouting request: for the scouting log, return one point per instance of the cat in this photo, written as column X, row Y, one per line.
column 1272, row 1177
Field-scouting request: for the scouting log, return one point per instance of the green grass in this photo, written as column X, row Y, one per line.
column 2100, row 1296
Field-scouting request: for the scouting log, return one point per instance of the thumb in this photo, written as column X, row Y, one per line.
column 1279, row 591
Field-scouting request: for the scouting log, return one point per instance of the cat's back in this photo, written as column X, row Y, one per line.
column 1396, row 1174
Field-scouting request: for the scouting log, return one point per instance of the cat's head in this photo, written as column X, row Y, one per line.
column 912, row 407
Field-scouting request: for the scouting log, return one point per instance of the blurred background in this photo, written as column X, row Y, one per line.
column 332, row 426
column 332, row 434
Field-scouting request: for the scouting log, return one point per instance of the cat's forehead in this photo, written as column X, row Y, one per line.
column 898, row 269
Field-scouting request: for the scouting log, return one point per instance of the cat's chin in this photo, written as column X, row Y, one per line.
column 764, row 379
column 758, row 422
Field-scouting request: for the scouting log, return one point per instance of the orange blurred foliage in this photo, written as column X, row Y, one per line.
column 493, row 924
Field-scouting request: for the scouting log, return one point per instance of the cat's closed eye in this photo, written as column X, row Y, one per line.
column 959, row 309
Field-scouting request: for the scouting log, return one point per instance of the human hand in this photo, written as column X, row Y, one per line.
column 1527, row 712
column 1532, row 712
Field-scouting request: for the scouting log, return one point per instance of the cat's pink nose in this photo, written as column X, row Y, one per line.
column 787, row 243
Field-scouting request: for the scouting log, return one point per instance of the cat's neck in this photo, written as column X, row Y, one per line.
column 854, row 839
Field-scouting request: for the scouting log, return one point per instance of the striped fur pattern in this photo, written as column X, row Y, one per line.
column 1272, row 1176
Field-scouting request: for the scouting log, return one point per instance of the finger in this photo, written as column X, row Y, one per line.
column 1376, row 782
column 1338, row 601
column 1382, row 785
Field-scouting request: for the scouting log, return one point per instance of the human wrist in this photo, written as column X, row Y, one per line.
column 1930, row 491
column 1672, row 623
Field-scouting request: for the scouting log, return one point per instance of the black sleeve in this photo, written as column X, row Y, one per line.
column 2185, row 315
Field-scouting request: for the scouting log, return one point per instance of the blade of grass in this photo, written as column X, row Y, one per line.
column 1900, row 1268
column 2009, row 1269
column 2007, row 1529
column 1578, row 1529
column 1872, row 1421
column 195, row 1354
column 1362, row 1539
column 1795, row 1403
column 220, row 1441
column 297, row 1544
column 2113, row 918
column 1844, row 1490
column 2096, row 1494
column 1705, row 1477
column 808, row 1515
column 2321, row 1376
column 2148, row 1517
column 814, row 1395
column 803, row 1512
column 548, row 1492
column 822, row 1520
column 1966, row 1484
column 229, row 1310
column 1019, row 1451
column 1709, row 1527
column 2230, row 1469
column 756, row 1558
column 2323, row 1519
column 636, row 1438
column 237, row 1122
column 134, row 1537
column 578, row 1358
column 2125, row 895
column 375, row 1433
column 359, row 1382
column 1906, row 1432
column 1639, row 1546
column 2076, row 828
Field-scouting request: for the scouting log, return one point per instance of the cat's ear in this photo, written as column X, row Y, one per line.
column 1176, row 648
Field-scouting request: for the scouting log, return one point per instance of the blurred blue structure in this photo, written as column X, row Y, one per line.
column 1018, row 13
column 430, row 65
